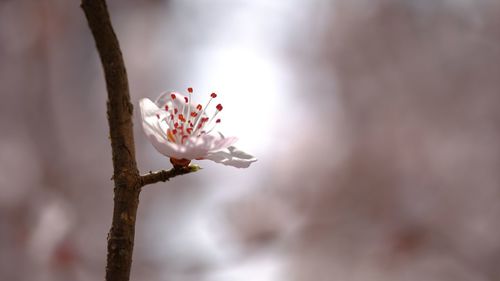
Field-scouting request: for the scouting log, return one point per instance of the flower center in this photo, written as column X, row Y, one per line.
column 189, row 121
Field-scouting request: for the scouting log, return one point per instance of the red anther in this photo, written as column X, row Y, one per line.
column 189, row 130
column 186, row 99
column 166, row 107
column 158, row 116
column 217, row 121
column 190, row 89
column 205, row 119
column 194, row 114
column 181, row 117
column 199, row 107
column 171, row 116
column 172, row 96
column 219, row 107
column 176, row 125
column 176, row 110
column 199, row 126
column 174, row 131
column 213, row 95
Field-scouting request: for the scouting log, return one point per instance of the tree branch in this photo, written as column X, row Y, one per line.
column 166, row 175
column 126, row 176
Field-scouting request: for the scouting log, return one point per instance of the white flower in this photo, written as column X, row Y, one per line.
column 182, row 131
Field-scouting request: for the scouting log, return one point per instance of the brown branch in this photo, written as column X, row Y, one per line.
column 126, row 176
column 166, row 175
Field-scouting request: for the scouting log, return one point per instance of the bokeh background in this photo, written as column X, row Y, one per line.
column 376, row 124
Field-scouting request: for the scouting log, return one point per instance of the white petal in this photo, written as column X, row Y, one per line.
column 223, row 142
column 179, row 101
column 163, row 99
column 197, row 147
column 200, row 147
column 154, row 132
column 232, row 157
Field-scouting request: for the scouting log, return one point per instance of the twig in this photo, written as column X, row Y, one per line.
column 166, row 175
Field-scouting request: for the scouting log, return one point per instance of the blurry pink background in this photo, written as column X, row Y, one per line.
column 376, row 124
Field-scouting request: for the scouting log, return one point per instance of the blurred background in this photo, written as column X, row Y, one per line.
column 376, row 124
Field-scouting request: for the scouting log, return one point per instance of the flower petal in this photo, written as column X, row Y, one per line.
column 213, row 147
column 200, row 147
column 179, row 101
column 232, row 157
column 154, row 132
column 223, row 142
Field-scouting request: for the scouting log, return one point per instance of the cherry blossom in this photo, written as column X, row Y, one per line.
column 183, row 131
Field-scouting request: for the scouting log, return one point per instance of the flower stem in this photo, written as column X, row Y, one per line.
column 167, row 175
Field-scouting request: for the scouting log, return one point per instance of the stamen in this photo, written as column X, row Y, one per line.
column 219, row 108
column 213, row 127
column 171, row 136
column 188, row 113
column 212, row 96
column 195, row 122
column 202, row 123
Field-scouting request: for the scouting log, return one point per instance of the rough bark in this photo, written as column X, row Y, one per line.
column 126, row 176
